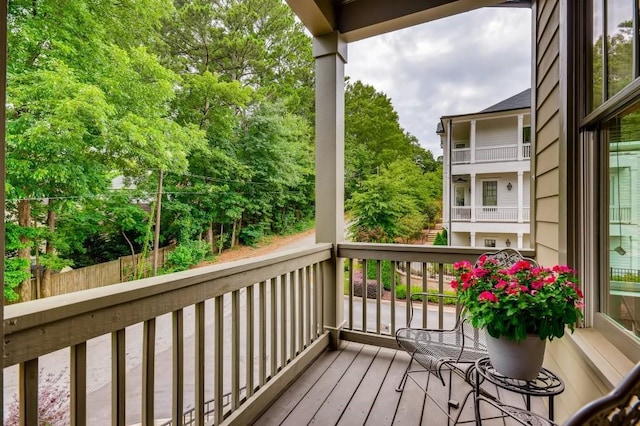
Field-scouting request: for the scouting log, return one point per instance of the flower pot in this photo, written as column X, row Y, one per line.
column 521, row 360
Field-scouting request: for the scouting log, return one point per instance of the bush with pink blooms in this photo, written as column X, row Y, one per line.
column 520, row 300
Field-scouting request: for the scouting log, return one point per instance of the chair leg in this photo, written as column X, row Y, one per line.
column 403, row 381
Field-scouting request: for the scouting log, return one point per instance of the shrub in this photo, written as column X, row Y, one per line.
column 385, row 272
column 372, row 290
column 185, row 255
column 252, row 234
column 449, row 299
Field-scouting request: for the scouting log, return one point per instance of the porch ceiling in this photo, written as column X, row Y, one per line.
column 359, row 19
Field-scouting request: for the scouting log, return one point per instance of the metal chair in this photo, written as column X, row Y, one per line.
column 454, row 350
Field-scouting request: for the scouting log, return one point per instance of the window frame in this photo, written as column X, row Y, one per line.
column 587, row 197
column 485, row 190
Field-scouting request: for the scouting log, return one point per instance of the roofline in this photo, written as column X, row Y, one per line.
column 446, row 117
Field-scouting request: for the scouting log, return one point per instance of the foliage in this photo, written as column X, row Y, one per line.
column 185, row 255
column 385, row 273
column 441, row 238
column 518, row 301
column 449, row 299
column 53, row 403
column 16, row 269
column 391, row 204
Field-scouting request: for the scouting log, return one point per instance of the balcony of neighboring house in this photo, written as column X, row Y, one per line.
column 491, row 154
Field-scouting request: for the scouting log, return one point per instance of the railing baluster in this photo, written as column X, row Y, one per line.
column 274, row 328
column 79, row 384
column 218, row 360
column 235, row 350
column 249, row 343
column 350, row 293
column 320, row 293
column 440, row 299
column 308, row 297
column 283, row 320
column 425, row 289
column 408, row 288
column 28, row 372
column 292, row 316
column 148, row 371
column 118, row 372
column 300, row 307
column 394, row 268
column 378, row 296
column 262, row 335
column 178, row 366
column 199, row 360
column 364, row 295
column 317, row 329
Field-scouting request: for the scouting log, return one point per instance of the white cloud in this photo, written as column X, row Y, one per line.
column 456, row 65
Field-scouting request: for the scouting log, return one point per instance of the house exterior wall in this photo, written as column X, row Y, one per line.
column 546, row 98
column 493, row 152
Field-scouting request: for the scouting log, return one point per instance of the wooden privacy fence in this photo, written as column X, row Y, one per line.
column 103, row 274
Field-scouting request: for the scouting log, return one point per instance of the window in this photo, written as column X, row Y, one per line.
column 526, row 134
column 614, row 63
column 620, row 297
column 490, row 193
column 489, row 242
column 607, row 171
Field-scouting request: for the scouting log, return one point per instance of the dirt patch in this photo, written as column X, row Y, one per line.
column 269, row 245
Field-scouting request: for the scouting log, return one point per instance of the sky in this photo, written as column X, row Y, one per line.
column 457, row 65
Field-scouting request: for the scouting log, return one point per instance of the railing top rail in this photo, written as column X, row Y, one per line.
column 513, row 145
column 414, row 253
column 98, row 311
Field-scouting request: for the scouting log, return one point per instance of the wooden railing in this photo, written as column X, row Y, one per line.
column 375, row 320
column 263, row 321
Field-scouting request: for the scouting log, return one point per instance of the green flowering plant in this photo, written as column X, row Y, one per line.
column 520, row 300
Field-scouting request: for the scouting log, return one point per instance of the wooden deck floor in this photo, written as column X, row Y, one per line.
column 356, row 386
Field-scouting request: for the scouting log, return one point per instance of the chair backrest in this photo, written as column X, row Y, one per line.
column 508, row 257
column 619, row 407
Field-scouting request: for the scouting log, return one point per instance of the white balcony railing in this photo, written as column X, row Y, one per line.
column 526, row 214
column 461, row 213
column 490, row 154
column 461, row 156
column 497, row 153
column 619, row 214
column 497, row 214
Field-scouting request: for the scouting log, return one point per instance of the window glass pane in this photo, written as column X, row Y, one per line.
column 490, row 193
column 619, row 45
column 597, row 64
column 623, row 292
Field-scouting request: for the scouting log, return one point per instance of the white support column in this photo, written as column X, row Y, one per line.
column 520, row 240
column 330, row 52
column 473, row 239
column 473, row 197
column 520, row 128
column 520, row 196
column 472, row 141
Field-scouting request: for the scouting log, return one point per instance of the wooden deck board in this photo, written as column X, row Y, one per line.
column 307, row 408
column 356, row 385
column 363, row 399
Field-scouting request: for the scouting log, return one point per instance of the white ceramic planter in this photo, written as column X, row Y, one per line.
column 521, row 360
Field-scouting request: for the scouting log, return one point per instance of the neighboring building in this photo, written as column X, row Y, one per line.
column 487, row 175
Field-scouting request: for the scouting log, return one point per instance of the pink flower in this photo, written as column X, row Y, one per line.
column 479, row 272
column 488, row 296
column 463, row 264
column 563, row 269
column 454, row 284
column 537, row 285
column 501, row 284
